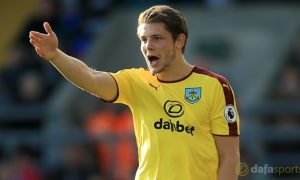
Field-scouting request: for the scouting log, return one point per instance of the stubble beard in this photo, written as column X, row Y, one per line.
column 165, row 65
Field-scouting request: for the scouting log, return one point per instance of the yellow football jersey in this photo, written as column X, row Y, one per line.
column 174, row 122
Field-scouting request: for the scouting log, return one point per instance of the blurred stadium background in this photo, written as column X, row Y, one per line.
column 50, row 129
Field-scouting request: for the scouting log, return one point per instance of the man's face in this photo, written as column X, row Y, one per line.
column 157, row 46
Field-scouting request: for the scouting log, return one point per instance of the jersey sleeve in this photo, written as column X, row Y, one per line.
column 123, row 80
column 224, row 115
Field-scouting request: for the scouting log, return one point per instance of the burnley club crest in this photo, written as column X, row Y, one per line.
column 192, row 95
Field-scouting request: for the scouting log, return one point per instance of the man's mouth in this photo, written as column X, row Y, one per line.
column 153, row 60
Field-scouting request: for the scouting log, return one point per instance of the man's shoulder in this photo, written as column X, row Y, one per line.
column 211, row 74
column 136, row 71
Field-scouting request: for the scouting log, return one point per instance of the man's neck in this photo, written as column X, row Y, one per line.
column 176, row 71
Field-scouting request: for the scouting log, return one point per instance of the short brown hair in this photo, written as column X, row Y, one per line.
column 173, row 20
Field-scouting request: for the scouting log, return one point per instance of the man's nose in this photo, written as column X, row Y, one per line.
column 149, row 45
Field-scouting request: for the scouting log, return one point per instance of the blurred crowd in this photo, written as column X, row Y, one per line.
column 286, row 87
column 26, row 80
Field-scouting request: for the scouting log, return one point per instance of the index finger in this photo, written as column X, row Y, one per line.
column 37, row 34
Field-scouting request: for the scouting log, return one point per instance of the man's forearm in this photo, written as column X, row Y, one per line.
column 73, row 69
column 228, row 169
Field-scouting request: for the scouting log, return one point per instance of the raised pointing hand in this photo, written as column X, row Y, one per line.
column 45, row 44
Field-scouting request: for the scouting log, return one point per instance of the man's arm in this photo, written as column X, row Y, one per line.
column 96, row 82
column 229, row 156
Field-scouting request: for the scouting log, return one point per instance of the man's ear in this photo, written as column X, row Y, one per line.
column 180, row 41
